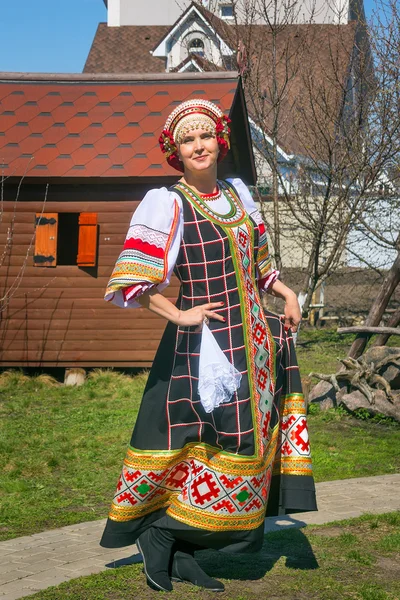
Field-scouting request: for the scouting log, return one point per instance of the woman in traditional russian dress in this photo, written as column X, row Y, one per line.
column 221, row 437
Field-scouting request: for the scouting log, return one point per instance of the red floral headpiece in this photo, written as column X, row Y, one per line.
column 199, row 107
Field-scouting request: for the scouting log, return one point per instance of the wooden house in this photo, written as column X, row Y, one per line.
column 79, row 152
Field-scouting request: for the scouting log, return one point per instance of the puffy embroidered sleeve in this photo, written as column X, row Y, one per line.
column 266, row 275
column 150, row 250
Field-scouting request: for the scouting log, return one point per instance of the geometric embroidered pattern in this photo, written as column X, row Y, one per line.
column 293, row 456
column 197, row 484
column 263, row 255
column 143, row 258
column 158, row 239
column 235, row 215
column 261, row 340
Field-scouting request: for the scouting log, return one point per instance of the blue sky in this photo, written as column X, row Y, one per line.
column 48, row 35
column 52, row 35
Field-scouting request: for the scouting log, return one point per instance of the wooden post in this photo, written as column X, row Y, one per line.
column 370, row 330
column 394, row 321
column 378, row 307
column 74, row 376
column 321, row 301
column 311, row 317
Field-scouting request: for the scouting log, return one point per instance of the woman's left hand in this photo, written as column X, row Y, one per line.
column 292, row 312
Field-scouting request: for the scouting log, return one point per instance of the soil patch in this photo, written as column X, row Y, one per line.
column 329, row 531
column 390, row 566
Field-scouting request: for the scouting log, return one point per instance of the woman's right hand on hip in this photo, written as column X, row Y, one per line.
column 198, row 314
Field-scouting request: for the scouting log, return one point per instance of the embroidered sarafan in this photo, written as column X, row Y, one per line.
column 224, row 470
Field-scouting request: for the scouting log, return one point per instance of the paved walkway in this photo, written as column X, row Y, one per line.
column 38, row 561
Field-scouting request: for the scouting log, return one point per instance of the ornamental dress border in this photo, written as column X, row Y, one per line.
column 198, row 484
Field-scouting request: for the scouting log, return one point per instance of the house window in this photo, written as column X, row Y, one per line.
column 196, row 46
column 65, row 239
column 226, row 11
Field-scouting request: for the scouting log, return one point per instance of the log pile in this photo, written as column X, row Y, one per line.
column 371, row 382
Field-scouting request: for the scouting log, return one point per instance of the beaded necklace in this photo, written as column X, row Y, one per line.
column 214, row 196
column 233, row 217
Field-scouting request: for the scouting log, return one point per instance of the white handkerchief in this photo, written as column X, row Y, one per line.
column 218, row 378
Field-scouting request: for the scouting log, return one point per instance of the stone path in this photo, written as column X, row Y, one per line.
column 31, row 563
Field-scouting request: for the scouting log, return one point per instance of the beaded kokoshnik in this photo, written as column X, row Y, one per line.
column 188, row 116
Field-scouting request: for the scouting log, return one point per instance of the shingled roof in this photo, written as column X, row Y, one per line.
column 97, row 126
column 128, row 48
column 125, row 49
column 313, row 60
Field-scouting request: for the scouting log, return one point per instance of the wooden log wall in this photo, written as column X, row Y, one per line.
column 57, row 315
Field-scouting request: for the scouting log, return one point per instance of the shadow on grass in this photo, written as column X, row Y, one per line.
column 289, row 544
column 134, row 559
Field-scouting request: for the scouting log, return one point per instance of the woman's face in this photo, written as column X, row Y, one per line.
column 198, row 150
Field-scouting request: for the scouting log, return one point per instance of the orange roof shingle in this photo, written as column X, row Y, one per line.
column 69, row 126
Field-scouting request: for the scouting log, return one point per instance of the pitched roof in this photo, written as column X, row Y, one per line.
column 125, row 49
column 96, row 126
column 220, row 28
column 313, row 63
column 313, row 60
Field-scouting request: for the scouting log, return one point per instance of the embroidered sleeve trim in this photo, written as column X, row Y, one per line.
column 143, row 262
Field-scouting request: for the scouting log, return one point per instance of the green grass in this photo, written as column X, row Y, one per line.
column 343, row 446
column 347, row 560
column 61, row 448
column 319, row 349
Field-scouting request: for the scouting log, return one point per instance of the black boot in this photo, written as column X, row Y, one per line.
column 185, row 568
column 155, row 546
